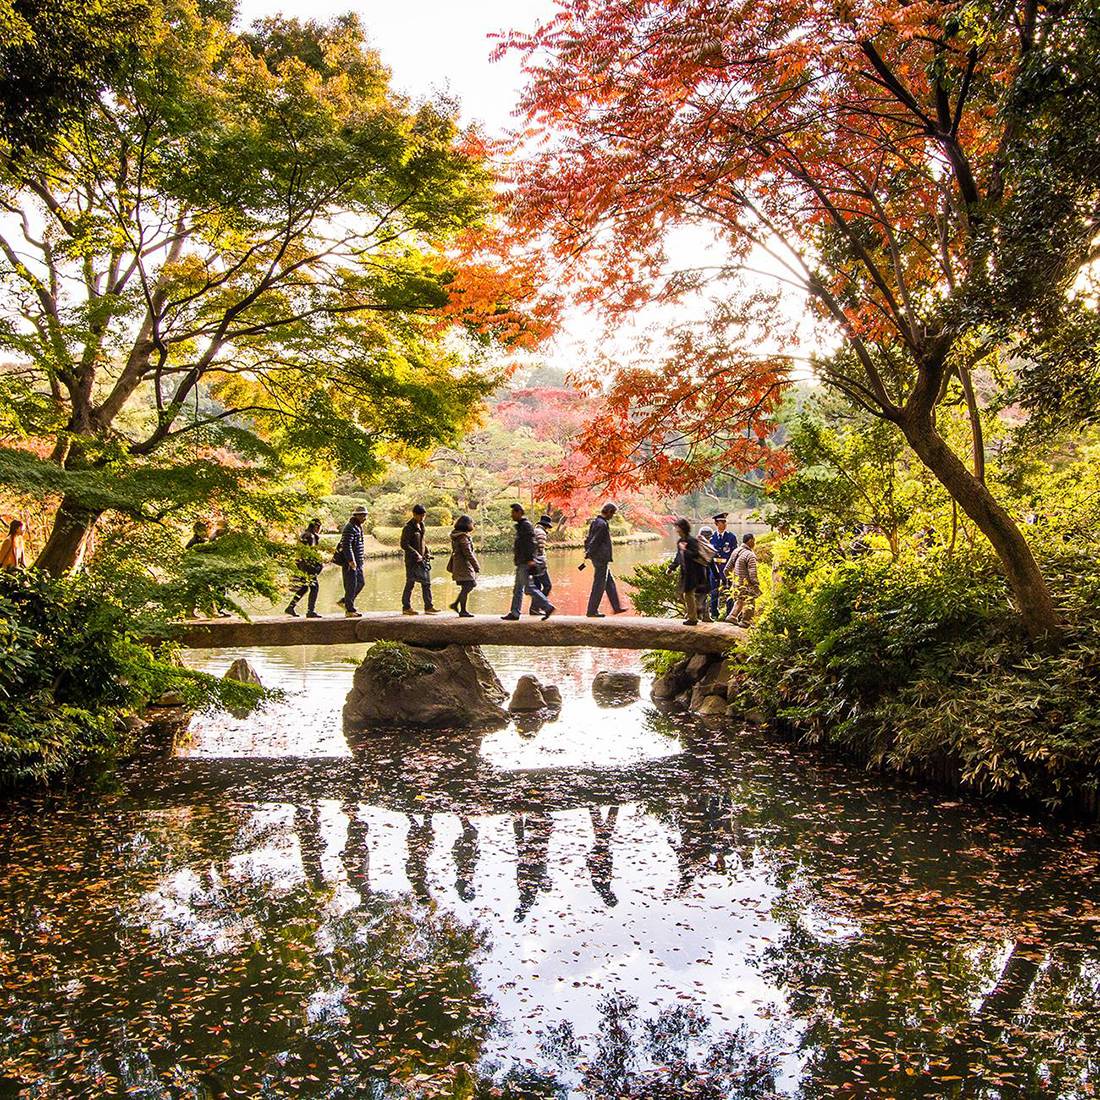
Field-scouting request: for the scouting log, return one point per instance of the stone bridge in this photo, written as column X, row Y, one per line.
column 614, row 632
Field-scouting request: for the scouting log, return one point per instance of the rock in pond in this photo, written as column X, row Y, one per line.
column 451, row 687
column 616, row 688
column 241, row 671
column 711, row 706
column 531, row 695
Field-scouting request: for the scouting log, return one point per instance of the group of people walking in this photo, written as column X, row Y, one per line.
column 712, row 568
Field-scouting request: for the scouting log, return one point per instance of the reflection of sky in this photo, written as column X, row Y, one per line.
column 663, row 946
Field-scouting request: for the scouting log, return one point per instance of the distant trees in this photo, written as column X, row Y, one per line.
column 925, row 175
column 242, row 244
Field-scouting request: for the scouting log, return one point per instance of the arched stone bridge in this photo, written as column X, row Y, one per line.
column 614, row 632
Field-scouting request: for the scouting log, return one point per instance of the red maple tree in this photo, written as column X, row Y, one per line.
column 865, row 150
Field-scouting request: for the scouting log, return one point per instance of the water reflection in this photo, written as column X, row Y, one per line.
column 731, row 920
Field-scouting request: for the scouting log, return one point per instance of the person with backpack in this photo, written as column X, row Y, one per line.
column 541, row 578
column 524, row 556
column 746, row 581
column 349, row 556
column 463, row 564
column 309, row 573
column 692, row 561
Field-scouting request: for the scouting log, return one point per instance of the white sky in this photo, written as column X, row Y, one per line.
column 434, row 44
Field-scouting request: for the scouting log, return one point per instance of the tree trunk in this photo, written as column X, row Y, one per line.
column 1024, row 577
column 64, row 549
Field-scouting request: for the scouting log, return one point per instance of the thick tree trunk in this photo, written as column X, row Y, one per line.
column 1024, row 577
column 64, row 548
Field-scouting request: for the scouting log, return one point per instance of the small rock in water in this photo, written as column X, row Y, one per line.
column 529, row 696
column 711, row 705
column 616, row 688
column 241, row 671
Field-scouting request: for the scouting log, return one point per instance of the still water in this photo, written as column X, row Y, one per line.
column 620, row 903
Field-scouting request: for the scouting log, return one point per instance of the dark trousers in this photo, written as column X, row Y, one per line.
column 542, row 582
column 603, row 581
column 411, row 582
column 464, row 590
column 312, row 585
column 353, row 585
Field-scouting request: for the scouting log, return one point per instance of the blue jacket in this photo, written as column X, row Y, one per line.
column 352, row 539
column 725, row 543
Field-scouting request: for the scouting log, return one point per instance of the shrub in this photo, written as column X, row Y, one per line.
column 392, row 662
column 72, row 669
column 920, row 667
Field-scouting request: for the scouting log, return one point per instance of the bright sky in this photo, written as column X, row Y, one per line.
column 434, row 44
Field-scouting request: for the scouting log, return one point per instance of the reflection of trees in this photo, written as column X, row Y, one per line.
column 927, row 953
column 667, row 1057
column 129, row 972
column 919, row 952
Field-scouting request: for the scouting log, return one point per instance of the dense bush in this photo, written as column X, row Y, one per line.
column 72, row 669
column 920, row 666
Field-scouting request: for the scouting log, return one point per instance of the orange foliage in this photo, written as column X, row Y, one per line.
column 854, row 142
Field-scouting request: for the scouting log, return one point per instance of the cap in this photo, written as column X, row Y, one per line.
column 360, row 511
column 546, row 521
column 719, row 515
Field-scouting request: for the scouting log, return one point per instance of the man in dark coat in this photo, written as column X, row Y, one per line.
column 309, row 572
column 525, row 553
column 417, row 563
column 598, row 550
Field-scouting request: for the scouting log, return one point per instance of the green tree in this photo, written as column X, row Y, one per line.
column 55, row 55
column 243, row 241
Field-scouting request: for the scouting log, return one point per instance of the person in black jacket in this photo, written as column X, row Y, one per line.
column 694, row 585
column 525, row 552
column 309, row 572
column 597, row 549
column 417, row 563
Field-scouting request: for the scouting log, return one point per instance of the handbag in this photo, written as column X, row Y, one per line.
column 422, row 571
column 340, row 554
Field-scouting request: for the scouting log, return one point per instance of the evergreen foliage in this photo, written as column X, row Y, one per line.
column 73, row 667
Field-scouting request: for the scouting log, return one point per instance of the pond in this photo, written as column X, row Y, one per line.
column 621, row 903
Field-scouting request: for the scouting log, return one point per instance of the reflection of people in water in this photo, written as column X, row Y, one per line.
column 706, row 832
column 464, row 854
column 419, row 846
column 599, row 855
column 307, row 824
column 356, row 850
column 532, row 852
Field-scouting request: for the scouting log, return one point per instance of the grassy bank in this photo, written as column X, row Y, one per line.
column 919, row 668
column 75, row 674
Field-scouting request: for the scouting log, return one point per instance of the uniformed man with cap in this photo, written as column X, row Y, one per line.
column 724, row 543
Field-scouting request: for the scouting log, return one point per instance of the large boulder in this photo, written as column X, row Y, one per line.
column 616, row 688
column 672, row 683
column 398, row 685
